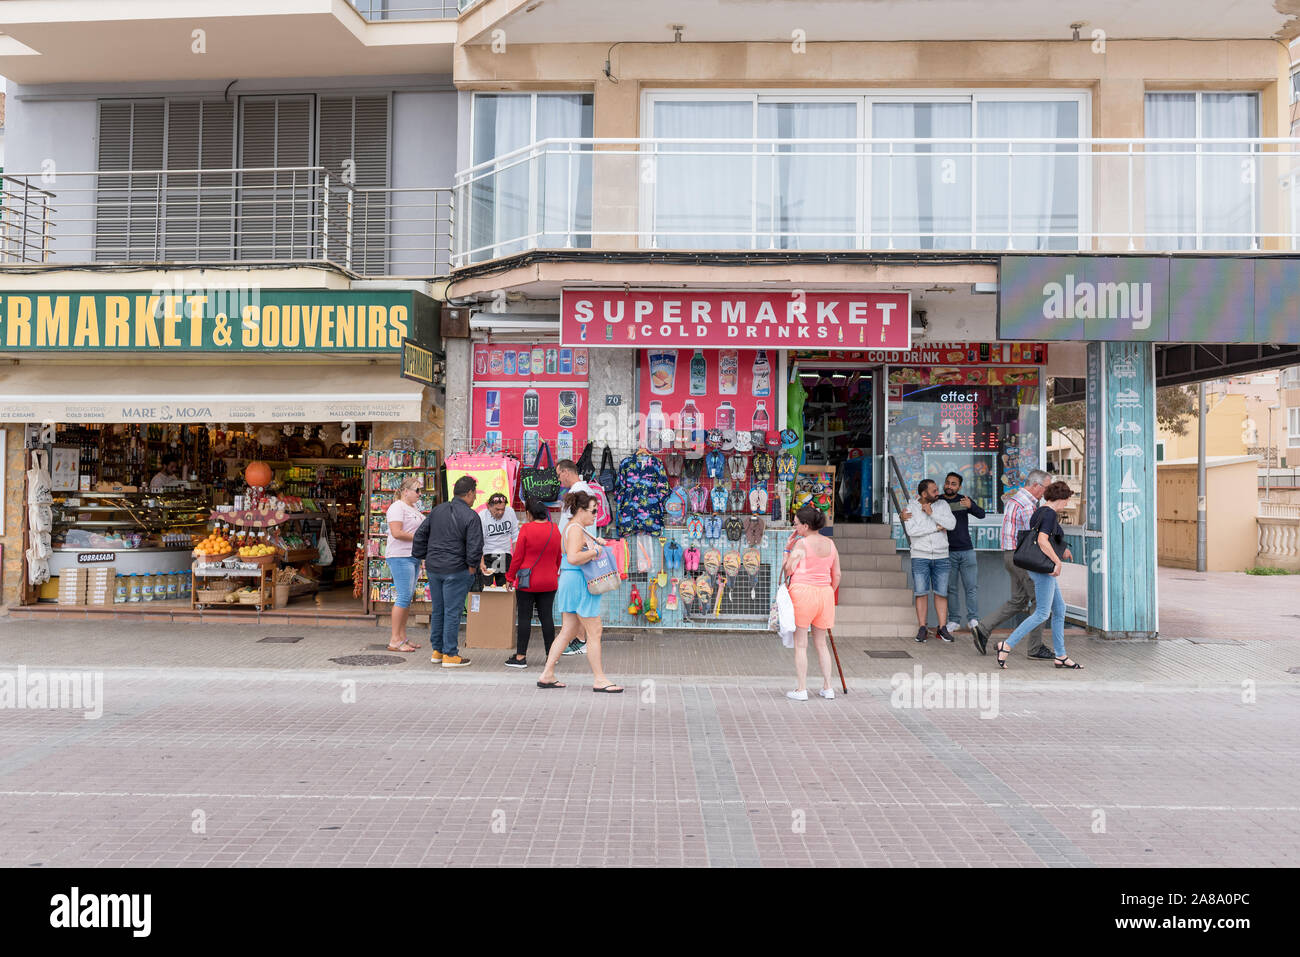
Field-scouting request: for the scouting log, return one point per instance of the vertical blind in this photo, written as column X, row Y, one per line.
column 273, row 210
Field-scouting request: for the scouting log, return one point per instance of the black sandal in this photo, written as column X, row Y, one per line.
column 1061, row 663
column 1003, row 653
column 550, row 684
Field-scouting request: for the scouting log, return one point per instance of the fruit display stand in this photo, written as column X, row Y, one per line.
column 268, row 518
column 206, row 574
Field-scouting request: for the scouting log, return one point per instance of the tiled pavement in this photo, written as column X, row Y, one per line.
column 215, row 750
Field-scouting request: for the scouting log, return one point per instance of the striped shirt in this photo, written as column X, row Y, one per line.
column 1020, row 509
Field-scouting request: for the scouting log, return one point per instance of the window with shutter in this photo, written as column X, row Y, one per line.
column 354, row 152
column 277, row 190
column 198, row 222
column 127, row 221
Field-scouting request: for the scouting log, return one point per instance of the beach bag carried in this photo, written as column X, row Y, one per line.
column 1028, row 555
column 540, row 481
column 781, row 617
column 601, row 572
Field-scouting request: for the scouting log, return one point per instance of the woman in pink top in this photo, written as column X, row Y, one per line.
column 404, row 519
column 814, row 569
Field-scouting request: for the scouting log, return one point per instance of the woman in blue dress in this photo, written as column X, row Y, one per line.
column 580, row 608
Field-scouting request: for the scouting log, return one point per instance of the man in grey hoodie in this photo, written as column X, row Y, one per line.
column 928, row 520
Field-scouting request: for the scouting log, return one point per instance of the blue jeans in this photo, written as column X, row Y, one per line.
column 929, row 575
column 1048, row 603
column 406, row 572
column 447, row 598
column 964, row 567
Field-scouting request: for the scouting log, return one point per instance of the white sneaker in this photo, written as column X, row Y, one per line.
column 797, row 695
column 953, row 626
column 827, row 693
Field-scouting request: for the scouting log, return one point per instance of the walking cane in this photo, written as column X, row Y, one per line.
column 843, row 684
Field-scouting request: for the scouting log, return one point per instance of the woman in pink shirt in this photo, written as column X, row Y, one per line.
column 814, row 569
column 404, row 519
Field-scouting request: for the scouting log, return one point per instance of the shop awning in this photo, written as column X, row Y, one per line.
column 110, row 393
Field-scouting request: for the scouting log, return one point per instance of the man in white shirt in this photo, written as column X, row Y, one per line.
column 928, row 519
column 168, row 476
column 500, row 529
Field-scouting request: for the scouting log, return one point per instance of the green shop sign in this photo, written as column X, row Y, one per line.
column 215, row 320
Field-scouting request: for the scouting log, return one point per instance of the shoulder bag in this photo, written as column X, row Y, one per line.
column 1028, row 555
column 601, row 572
column 586, row 468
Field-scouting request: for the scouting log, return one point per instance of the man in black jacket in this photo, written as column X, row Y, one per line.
column 450, row 542
column 963, row 564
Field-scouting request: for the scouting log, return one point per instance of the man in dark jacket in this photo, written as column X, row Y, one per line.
column 450, row 542
column 963, row 564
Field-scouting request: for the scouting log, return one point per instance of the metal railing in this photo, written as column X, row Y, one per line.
column 974, row 193
column 264, row 215
column 387, row 10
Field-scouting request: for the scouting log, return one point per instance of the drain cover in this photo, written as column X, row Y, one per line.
column 368, row 660
column 888, row 654
column 279, row 639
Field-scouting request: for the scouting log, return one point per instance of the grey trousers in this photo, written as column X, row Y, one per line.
column 1020, row 602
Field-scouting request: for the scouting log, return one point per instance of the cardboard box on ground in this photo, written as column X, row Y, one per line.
column 490, row 619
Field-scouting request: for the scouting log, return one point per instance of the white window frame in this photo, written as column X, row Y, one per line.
column 1199, row 132
column 865, row 98
column 1293, row 428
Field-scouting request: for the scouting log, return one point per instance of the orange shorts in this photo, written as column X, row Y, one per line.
column 813, row 605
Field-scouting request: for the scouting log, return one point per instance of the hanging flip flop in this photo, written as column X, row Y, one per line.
column 731, row 563
column 704, row 592
column 712, row 561
column 753, row 562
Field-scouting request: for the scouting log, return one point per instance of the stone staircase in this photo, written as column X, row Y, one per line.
column 875, row 591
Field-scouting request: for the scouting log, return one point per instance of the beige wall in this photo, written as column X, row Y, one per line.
column 1232, row 538
column 15, row 514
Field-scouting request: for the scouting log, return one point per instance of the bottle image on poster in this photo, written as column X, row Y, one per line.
column 691, row 430
column 496, row 364
column 699, row 373
column 510, row 362
column 568, row 416
column 728, row 372
column 552, row 361
column 580, row 362
column 762, row 375
column 726, row 416
column 663, row 372
column 566, row 362
column 762, row 421
column 532, row 409
column 564, row 445
column 492, row 418
column 532, row 443
column 654, row 426
column 539, row 360
column 524, row 363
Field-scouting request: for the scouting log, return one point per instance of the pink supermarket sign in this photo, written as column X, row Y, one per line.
column 749, row 320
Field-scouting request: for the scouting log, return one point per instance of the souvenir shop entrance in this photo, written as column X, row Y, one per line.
column 834, row 405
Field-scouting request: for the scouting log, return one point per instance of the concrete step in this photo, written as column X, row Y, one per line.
column 866, row 546
column 895, row 616
column 865, row 629
column 875, row 597
column 860, row 562
column 860, row 530
column 872, row 579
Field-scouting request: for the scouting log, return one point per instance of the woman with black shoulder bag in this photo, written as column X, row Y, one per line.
column 1040, row 552
column 534, row 575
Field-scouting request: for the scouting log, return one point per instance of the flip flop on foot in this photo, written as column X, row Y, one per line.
column 551, row 684
column 609, row 689
column 404, row 646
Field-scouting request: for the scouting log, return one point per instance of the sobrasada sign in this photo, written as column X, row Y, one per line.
column 750, row 320
column 212, row 320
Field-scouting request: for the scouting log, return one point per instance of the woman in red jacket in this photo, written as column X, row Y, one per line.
column 537, row 557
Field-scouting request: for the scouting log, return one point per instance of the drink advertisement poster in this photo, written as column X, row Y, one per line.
column 690, row 391
column 525, row 395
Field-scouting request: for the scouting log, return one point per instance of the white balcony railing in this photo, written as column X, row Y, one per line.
column 900, row 194
column 383, row 10
column 277, row 215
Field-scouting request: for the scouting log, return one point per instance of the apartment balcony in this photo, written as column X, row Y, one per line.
column 907, row 194
column 82, row 41
column 281, row 215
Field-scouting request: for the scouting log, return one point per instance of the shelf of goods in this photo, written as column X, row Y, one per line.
column 135, row 532
column 385, row 470
column 214, row 586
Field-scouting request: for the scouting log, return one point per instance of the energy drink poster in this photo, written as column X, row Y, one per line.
column 685, row 392
column 524, row 395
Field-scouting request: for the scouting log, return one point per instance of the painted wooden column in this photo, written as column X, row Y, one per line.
column 1121, row 490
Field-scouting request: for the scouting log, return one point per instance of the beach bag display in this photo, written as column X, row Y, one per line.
column 601, row 572
column 540, row 481
column 40, row 488
column 604, row 514
column 585, row 466
column 494, row 472
column 607, row 477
